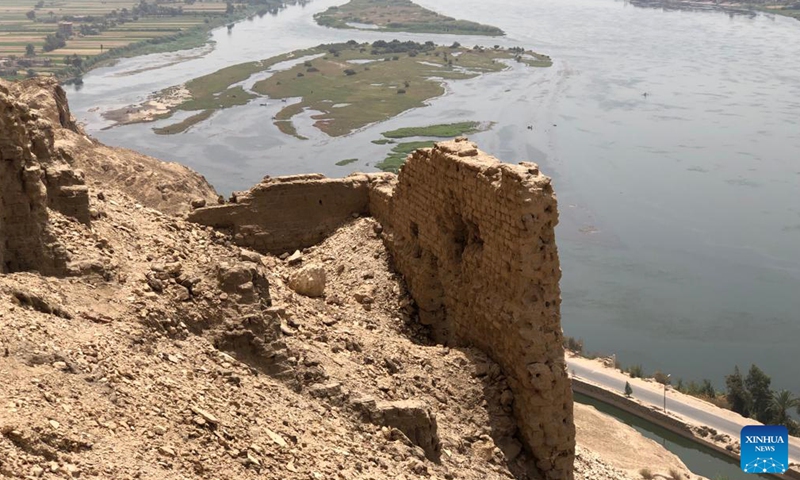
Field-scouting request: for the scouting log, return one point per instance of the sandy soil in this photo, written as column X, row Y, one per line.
column 621, row 445
column 149, row 110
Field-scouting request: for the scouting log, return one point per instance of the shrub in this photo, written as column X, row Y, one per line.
column 646, row 473
column 661, row 378
column 675, row 474
column 636, row 371
column 401, row 91
column 349, row 72
column 573, row 344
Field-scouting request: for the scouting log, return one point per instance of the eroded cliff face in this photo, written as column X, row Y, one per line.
column 33, row 179
column 169, row 187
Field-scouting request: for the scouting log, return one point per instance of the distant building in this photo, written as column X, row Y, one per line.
column 65, row 29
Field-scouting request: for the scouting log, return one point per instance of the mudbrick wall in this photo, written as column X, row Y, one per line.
column 474, row 239
column 286, row 213
column 33, row 178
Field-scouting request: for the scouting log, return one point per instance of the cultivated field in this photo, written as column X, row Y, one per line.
column 97, row 27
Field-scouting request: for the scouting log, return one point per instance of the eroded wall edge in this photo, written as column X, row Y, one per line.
column 474, row 239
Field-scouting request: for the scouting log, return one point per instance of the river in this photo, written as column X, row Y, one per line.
column 680, row 210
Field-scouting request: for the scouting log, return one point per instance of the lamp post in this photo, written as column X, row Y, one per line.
column 665, row 392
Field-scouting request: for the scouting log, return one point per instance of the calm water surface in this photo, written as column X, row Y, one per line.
column 680, row 210
column 700, row 459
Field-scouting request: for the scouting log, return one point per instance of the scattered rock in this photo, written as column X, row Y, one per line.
column 206, row 416
column 166, row 451
column 309, row 281
column 365, row 294
column 416, row 420
column 295, row 259
column 276, row 438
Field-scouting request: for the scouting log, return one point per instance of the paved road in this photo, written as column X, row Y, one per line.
column 675, row 404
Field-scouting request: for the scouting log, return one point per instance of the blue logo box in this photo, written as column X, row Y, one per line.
column 764, row 449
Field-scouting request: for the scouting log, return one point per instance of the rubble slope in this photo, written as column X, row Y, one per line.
column 163, row 351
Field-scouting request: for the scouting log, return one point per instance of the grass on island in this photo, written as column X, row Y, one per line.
column 372, row 83
column 785, row 10
column 287, row 127
column 397, row 157
column 351, row 85
column 103, row 30
column 382, row 141
column 184, row 125
column 399, row 16
column 449, row 130
column 344, row 163
column 533, row 59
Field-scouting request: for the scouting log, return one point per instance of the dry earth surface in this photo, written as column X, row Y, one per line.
column 176, row 354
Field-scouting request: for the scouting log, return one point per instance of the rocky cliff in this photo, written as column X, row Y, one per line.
column 169, row 187
column 34, row 179
column 137, row 345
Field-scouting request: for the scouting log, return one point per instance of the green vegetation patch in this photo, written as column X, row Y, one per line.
column 99, row 31
column 351, row 85
column 226, row 99
column 532, row 59
column 399, row 16
column 382, row 141
column 215, row 90
column 343, row 163
column 397, row 157
column 356, row 85
column 448, row 130
column 184, row 125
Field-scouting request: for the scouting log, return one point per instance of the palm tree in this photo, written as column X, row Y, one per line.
column 780, row 405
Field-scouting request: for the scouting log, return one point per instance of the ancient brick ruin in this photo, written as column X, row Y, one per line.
column 33, row 178
column 286, row 213
column 474, row 239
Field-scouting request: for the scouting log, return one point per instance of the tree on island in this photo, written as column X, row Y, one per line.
column 628, row 389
